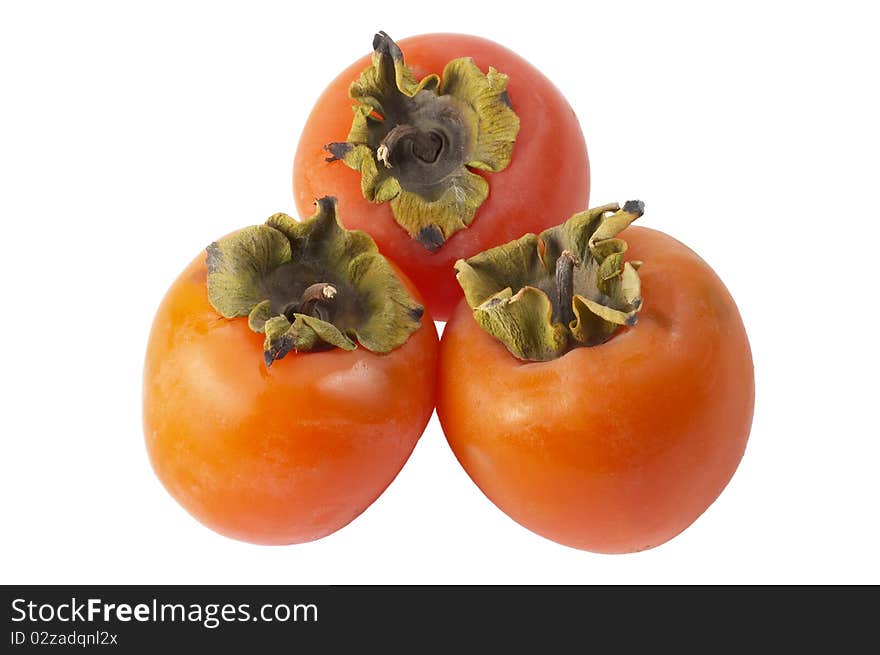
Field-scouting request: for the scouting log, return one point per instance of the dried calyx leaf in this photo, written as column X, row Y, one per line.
column 310, row 285
column 414, row 142
column 542, row 295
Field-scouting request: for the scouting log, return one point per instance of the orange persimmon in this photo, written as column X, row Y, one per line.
column 611, row 445
column 286, row 439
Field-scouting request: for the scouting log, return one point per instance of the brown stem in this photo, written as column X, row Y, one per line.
column 425, row 145
column 311, row 301
column 565, row 286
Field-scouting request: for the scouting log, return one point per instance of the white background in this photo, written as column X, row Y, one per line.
column 131, row 135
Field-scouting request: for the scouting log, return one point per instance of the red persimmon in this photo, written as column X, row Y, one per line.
column 440, row 168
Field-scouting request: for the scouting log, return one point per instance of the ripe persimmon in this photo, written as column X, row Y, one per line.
column 602, row 404
column 457, row 144
column 288, row 376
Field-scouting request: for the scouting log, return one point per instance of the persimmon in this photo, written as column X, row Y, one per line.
column 289, row 374
column 601, row 403
column 442, row 147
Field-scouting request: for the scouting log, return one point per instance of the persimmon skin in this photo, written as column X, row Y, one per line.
column 549, row 155
column 619, row 447
column 282, row 455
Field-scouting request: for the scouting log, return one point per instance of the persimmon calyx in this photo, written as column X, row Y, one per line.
column 415, row 142
column 310, row 286
column 542, row 295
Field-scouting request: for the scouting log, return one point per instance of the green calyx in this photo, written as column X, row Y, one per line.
column 310, row 286
column 414, row 142
column 542, row 295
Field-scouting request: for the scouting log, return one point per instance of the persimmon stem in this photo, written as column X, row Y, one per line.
column 426, row 145
column 416, row 137
column 565, row 286
column 312, row 300
column 568, row 287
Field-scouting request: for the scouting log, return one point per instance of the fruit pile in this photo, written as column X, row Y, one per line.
column 594, row 379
